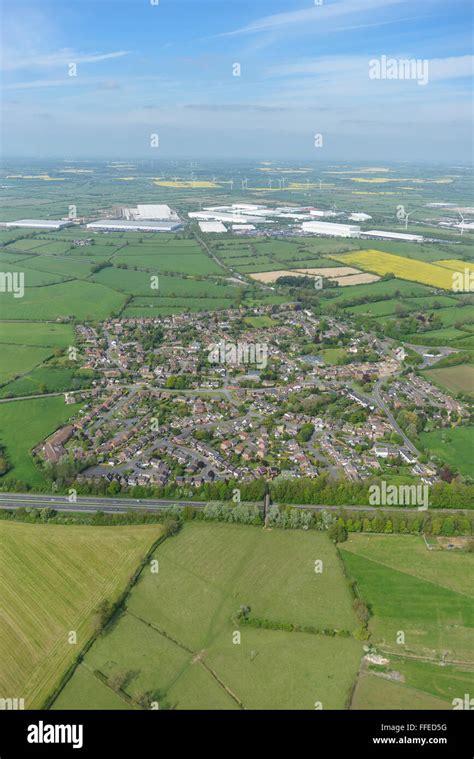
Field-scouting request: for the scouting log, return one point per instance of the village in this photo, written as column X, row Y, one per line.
column 161, row 410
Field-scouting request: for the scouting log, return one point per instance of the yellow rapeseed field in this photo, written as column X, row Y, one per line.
column 403, row 268
column 455, row 264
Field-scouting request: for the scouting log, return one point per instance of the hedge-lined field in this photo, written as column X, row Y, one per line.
column 175, row 640
column 53, row 578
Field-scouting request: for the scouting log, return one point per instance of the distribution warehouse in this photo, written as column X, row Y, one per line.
column 331, row 229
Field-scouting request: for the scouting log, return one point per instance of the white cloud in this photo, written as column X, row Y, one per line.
column 13, row 62
column 313, row 16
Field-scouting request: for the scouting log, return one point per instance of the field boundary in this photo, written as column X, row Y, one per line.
column 49, row 701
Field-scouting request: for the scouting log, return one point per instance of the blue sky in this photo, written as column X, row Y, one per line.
column 167, row 69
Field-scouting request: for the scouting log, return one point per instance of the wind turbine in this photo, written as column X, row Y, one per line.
column 270, row 181
column 461, row 225
column 232, row 184
column 320, row 183
column 280, row 182
column 406, row 218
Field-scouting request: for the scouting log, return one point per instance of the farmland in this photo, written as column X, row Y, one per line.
column 46, row 334
column 175, row 636
column 404, row 268
column 424, row 594
column 53, row 578
column 19, row 359
column 457, row 379
column 85, row 300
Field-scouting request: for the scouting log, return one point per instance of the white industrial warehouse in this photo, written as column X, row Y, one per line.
column 215, row 227
column 122, row 225
column 39, row 223
column 143, row 218
column 330, row 229
column 149, row 212
column 381, row 234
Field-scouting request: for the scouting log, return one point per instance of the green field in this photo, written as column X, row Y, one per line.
column 196, row 263
column 452, row 446
column 84, row 300
column 23, row 424
column 32, row 277
column 47, row 334
column 176, row 635
column 19, row 359
column 373, row 692
column 53, row 578
column 143, row 307
column 425, row 594
column 68, row 266
column 412, row 684
column 457, row 379
column 47, row 379
column 389, row 307
column 139, row 283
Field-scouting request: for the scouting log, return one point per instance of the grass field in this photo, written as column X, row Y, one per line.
column 84, row 300
column 51, row 335
column 18, row 359
column 453, row 446
column 426, row 595
column 139, row 283
column 176, row 635
column 194, row 263
column 420, row 685
column 454, row 378
column 47, row 379
column 23, row 424
column 53, row 578
column 374, row 692
column 390, row 307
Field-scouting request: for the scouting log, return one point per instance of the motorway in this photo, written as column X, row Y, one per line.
column 123, row 505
